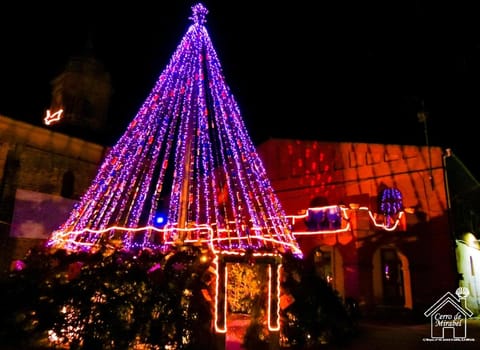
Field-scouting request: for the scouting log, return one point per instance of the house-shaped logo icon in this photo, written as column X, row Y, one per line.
column 448, row 317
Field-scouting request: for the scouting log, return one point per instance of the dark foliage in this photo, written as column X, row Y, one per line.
column 114, row 300
column 316, row 318
column 107, row 301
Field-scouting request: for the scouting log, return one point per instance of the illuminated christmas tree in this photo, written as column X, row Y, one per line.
column 118, row 277
column 184, row 172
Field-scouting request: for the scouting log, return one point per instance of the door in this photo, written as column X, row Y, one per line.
column 392, row 277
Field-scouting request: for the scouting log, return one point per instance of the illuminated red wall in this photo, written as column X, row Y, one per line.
column 312, row 173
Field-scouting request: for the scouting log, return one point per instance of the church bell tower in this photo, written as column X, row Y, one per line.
column 80, row 96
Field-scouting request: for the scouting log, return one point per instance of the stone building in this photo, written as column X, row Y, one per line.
column 51, row 164
column 36, row 159
column 82, row 92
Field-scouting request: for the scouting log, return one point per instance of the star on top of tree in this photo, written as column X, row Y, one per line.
column 199, row 12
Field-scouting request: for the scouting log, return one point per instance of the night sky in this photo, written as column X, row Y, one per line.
column 330, row 71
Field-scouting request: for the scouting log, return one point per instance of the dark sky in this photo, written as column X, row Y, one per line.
column 332, row 71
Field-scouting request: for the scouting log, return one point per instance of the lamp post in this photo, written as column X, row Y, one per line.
column 422, row 116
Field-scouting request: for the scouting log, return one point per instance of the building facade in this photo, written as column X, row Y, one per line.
column 45, row 169
column 81, row 96
column 374, row 218
column 41, row 161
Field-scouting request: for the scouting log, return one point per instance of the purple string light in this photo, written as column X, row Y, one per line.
column 188, row 147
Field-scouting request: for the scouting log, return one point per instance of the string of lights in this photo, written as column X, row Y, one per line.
column 188, row 156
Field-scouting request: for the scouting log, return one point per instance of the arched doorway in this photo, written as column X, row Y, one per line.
column 328, row 264
column 391, row 278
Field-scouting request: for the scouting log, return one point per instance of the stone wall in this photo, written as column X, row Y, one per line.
column 36, row 159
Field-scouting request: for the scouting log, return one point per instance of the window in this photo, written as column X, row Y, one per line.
column 68, row 184
column 472, row 269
